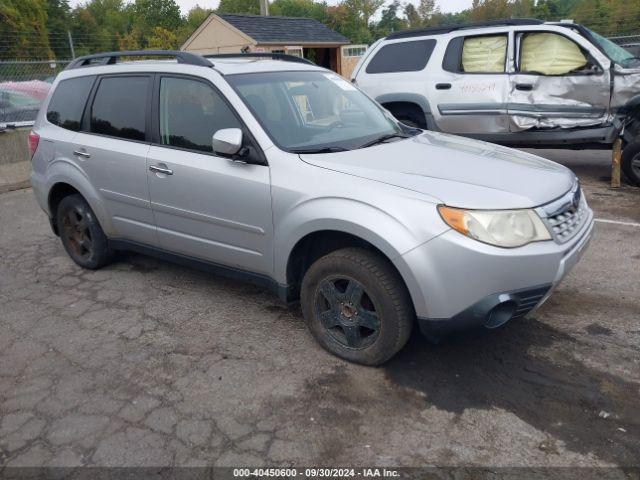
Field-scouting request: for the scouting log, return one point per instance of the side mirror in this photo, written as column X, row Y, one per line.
column 227, row 141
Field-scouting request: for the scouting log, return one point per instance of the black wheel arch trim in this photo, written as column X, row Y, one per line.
column 405, row 97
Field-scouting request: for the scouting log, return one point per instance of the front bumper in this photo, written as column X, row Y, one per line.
column 490, row 312
column 458, row 283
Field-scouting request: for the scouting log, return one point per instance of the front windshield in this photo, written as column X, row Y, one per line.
column 615, row 52
column 306, row 111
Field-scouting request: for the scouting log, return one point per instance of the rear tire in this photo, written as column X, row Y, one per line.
column 81, row 233
column 357, row 306
column 631, row 162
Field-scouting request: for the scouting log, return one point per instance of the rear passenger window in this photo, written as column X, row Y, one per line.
column 476, row 54
column 402, row 57
column 68, row 101
column 120, row 106
column 484, row 54
column 191, row 112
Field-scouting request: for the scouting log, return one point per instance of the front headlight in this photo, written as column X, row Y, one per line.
column 503, row 228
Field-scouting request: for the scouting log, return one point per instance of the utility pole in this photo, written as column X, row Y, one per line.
column 73, row 52
column 264, row 8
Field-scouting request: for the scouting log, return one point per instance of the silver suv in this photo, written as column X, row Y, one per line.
column 283, row 173
column 516, row 82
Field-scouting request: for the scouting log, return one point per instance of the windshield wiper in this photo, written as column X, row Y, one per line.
column 383, row 139
column 320, row 150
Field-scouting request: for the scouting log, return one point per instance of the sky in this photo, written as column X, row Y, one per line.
column 186, row 5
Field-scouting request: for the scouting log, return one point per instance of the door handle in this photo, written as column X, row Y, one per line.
column 443, row 86
column 524, row 87
column 159, row 169
column 80, row 153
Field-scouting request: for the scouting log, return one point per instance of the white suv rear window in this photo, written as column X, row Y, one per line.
column 402, row 57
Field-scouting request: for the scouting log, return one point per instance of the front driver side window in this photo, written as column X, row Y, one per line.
column 191, row 111
column 550, row 54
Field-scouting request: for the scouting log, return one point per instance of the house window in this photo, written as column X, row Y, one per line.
column 281, row 52
column 296, row 52
column 354, row 51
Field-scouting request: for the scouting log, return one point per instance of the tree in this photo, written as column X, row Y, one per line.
column 389, row 20
column 352, row 17
column 89, row 36
column 148, row 14
column 131, row 40
column 162, row 39
column 239, row 6
column 426, row 10
column 99, row 25
column 196, row 16
column 363, row 9
column 482, row 10
column 23, row 29
column 413, row 18
column 348, row 21
column 594, row 13
column 299, row 8
column 522, row 8
column 57, row 23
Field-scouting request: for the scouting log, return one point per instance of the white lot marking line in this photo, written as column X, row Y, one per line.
column 616, row 222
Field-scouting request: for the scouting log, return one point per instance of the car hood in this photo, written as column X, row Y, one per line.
column 457, row 171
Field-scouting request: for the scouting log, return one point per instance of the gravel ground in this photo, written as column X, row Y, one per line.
column 148, row 363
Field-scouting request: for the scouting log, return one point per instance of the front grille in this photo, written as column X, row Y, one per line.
column 566, row 225
column 564, row 217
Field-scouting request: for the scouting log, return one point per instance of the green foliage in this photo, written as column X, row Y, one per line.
column 412, row 15
column 57, row 12
column 162, row 39
column 299, row 8
column 37, row 29
column 239, row 6
column 390, row 21
column 149, row 14
column 23, row 29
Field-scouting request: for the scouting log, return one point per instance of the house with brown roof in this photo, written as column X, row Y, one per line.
column 303, row 37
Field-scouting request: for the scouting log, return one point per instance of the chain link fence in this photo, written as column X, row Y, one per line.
column 23, row 87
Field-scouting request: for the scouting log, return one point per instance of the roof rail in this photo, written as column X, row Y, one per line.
column 273, row 56
column 109, row 58
column 418, row 32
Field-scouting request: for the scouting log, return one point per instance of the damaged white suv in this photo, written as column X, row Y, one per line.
column 516, row 82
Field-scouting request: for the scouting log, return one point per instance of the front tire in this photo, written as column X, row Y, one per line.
column 356, row 306
column 81, row 234
column 631, row 162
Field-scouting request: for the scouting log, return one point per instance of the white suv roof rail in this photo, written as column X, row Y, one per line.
column 419, row 32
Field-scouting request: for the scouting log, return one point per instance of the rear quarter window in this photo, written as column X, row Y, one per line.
column 402, row 57
column 68, row 101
